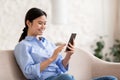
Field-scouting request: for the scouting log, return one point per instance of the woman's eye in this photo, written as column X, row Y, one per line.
column 45, row 23
column 40, row 23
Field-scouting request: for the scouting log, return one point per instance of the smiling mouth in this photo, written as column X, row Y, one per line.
column 41, row 31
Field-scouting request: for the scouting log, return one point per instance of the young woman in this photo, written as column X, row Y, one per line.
column 38, row 58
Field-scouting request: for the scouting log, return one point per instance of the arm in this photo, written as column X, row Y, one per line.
column 46, row 63
column 68, row 55
column 63, row 63
column 26, row 63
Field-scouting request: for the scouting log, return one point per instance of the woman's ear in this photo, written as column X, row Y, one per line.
column 28, row 23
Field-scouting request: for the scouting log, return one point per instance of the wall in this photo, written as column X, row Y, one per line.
column 12, row 19
column 117, row 30
column 88, row 18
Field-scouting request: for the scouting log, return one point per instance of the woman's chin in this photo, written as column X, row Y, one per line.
column 40, row 33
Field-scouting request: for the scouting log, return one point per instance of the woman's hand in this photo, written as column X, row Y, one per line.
column 68, row 55
column 71, row 48
column 46, row 63
column 57, row 51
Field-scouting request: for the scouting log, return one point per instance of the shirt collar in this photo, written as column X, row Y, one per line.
column 30, row 38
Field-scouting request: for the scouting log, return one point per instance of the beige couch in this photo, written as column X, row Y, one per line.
column 9, row 69
column 83, row 66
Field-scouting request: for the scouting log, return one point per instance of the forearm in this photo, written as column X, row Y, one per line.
column 45, row 64
column 66, row 60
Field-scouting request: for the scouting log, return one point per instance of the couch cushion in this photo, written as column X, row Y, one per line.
column 9, row 69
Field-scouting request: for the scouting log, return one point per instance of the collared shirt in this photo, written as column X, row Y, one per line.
column 30, row 52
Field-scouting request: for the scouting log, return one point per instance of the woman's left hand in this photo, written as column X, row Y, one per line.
column 69, row 53
column 71, row 48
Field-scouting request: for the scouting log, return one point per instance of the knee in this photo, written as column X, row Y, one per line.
column 112, row 78
column 67, row 77
column 106, row 78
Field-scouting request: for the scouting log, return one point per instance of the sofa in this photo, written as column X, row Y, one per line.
column 9, row 69
column 83, row 65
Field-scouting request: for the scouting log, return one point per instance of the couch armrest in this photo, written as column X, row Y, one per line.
column 9, row 69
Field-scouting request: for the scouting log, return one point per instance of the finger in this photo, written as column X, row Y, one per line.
column 70, row 45
column 63, row 45
column 71, row 48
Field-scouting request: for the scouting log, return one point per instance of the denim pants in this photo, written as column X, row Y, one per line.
column 106, row 78
column 61, row 77
column 70, row 77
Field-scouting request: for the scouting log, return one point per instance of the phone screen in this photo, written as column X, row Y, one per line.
column 72, row 37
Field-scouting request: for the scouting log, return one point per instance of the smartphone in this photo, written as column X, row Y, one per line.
column 72, row 37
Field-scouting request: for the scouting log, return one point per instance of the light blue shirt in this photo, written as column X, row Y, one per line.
column 30, row 52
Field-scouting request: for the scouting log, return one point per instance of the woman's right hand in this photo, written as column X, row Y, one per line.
column 57, row 51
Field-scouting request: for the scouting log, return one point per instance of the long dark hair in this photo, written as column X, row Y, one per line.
column 32, row 14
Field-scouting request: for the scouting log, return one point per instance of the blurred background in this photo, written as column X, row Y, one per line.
column 88, row 18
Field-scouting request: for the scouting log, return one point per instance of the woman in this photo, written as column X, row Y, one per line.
column 38, row 58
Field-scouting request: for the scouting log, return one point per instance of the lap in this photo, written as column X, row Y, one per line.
column 105, row 78
column 61, row 77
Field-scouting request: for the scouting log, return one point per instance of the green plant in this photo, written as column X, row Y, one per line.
column 99, row 47
column 115, row 51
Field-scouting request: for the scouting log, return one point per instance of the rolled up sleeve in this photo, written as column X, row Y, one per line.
column 30, row 69
column 60, row 64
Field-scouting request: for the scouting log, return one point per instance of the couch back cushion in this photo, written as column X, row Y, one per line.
column 9, row 69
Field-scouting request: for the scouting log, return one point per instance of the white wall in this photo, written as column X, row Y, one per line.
column 117, row 30
column 89, row 18
column 110, row 21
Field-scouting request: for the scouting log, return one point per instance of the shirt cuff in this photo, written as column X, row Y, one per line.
column 36, row 70
column 62, row 67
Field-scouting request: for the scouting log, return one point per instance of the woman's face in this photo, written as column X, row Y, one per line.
column 37, row 26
